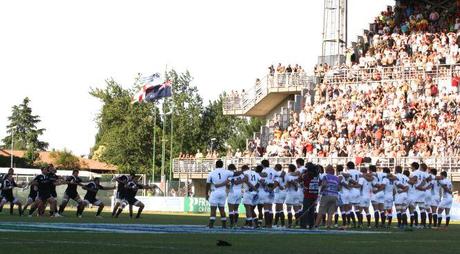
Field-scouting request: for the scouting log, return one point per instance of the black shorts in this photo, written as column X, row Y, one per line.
column 8, row 198
column 72, row 195
column 44, row 196
column 131, row 200
column 120, row 195
column 53, row 194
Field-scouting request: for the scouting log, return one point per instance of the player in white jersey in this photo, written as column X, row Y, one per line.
column 389, row 182
column 216, row 184
column 435, row 192
column 280, row 196
column 446, row 201
column 269, row 195
column 260, row 197
column 352, row 193
column 251, row 183
column 301, row 169
column 421, row 176
column 401, row 203
column 235, row 194
column 342, row 193
column 378, row 195
column 292, row 185
column 365, row 191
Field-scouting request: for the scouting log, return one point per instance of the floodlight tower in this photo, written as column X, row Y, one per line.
column 334, row 31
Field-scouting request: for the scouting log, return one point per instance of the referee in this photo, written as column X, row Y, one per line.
column 310, row 182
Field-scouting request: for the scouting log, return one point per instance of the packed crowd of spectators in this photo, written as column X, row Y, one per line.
column 385, row 113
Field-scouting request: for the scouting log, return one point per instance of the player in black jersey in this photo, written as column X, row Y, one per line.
column 71, row 192
column 131, row 190
column 43, row 184
column 121, row 192
column 7, row 193
column 91, row 191
column 53, row 180
column 31, row 200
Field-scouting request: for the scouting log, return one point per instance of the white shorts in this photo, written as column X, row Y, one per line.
column 435, row 202
column 411, row 200
column 280, row 197
column 292, row 198
column 354, row 197
column 378, row 198
column 388, row 203
column 401, row 199
column 420, row 197
column 218, row 198
column 344, row 198
column 234, row 198
column 428, row 198
column 446, row 203
column 250, row 198
column 266, row 197
column 365, row 201
column 300, row 197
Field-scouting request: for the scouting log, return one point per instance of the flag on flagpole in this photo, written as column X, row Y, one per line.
column 148, row 83
column 157, row 92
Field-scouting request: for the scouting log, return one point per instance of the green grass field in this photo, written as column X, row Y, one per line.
column 417, row 241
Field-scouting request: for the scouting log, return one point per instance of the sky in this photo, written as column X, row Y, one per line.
column 54, row 52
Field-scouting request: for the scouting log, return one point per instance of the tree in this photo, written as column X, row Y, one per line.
column 65, row 159
column 125, row 130
column 23, row 126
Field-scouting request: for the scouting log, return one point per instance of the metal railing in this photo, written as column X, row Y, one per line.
column 388, row 74
column 243, row 101
column 201, row 167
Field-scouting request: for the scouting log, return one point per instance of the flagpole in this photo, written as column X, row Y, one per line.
column 163, row 148
column 154, row 142
column 172, row 135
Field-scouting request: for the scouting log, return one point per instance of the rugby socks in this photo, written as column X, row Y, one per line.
column 211, row 222
column 430, row 219
column 416, row 218
column 277, row 218
column 231, row 215
column 114, row 212
column 368, row 218
column 376, row 217
column 336, row 218
column 360, row 218
column 423, row 217
column 435, row 219
column 61, row 209
column 223, row 220
column 348, row 217
column 344, row 218
column 353, row 218
column 99, row 210
column 236, row 216
column 118, row 212
column 447, row 220
column 398, row 216
column 439, row 219
column 323, row 220
column 289, row 215
column 139, row 211
column 32, row 210
column 382, row 218
column 282, row 218
column 389, row 219
column 11, row 208
column 404, row 218
column 298, row 215
column 412, row 217
column 267, row 218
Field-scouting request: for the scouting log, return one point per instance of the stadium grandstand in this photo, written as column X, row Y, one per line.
column 392, row 99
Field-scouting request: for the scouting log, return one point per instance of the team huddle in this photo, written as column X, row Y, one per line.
column 43, row 193
column 309, row 193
